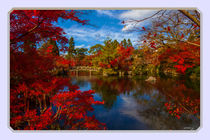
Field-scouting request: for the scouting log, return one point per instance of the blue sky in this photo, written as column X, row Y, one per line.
column 104, row 24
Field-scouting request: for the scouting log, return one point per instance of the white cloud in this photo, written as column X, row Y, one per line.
column 135, row 15
column 91, row 35
column 80, row 46
column 129, row 27
column 105, row 12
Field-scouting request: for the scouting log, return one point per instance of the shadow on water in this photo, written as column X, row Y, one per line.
column 133, row 103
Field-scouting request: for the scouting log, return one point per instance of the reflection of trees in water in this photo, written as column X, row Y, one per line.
column 101, row 86
column 143, row 87
column 111, row 87
column 180, row 95
column 155, row 112
column 174, row 90
column 151, row 98
column 192, row 84
column 159, row 119
column 81, row 82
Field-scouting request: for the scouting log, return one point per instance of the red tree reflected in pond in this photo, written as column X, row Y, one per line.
column 166, row 103
column 181, row 100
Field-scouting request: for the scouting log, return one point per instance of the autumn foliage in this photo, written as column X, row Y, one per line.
column 185, row 57
column 38, row 98
column 121, row 60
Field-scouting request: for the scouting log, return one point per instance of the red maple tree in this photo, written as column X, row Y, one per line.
column 35, row 91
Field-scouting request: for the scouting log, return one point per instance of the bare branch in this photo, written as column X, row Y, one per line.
column 191, row 17
column 144, row 18
column 26, row 33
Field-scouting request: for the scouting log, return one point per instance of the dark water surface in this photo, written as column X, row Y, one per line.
column 136, row 104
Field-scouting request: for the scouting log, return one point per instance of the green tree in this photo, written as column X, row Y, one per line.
column 115, row 43
column 94, row 49
column 55, row 49
column 81, row 52
column 129, row 43
column 71, row 50
column 124, row 43
column 109, row 51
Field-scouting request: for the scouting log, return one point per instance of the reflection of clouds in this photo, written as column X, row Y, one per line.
column 149, row 113
column 143, row 102
column 146, row 110
column 141, row 107
column 130, row 107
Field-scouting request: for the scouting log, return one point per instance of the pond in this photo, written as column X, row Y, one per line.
column 131, row 103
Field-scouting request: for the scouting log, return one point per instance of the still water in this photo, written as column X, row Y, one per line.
column 136, row 104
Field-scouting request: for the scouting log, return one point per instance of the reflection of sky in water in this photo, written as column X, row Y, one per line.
column 133, row 110
column 119, row 116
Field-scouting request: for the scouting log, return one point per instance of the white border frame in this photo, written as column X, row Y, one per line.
column 203, row 133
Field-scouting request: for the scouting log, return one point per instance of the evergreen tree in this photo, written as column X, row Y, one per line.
column 124, row 43
column 115, row 43
column 129, row 43
column 71, row 50
column 109, row 50
column 81, row 52
column 94, row 49
column 55, row 49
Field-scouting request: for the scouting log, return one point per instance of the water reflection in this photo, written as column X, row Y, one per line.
column 133, row 103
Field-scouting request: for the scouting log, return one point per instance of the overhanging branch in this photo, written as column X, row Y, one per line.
column 191, row 17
